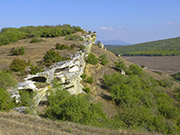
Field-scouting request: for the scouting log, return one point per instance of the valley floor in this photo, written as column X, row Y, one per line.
column 166, row 64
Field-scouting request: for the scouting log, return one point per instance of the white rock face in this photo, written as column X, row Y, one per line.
column 68, row 72
column 26, row 85
column 74, row 69
column 101, row 45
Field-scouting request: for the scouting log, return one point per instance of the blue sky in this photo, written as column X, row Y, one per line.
column 133, row 21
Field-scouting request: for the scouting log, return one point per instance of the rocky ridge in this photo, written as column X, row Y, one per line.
column 67, row 72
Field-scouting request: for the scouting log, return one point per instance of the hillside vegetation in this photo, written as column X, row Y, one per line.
column 9, row 35
column 119, row 97
column 167, row 47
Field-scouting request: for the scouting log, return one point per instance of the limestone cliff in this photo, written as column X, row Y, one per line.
column 68, row 72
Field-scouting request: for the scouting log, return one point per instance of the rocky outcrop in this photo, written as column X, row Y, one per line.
column 100, row 45
column 67, row 72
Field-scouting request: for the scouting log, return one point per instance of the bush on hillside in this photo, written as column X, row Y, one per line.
column 81, row 47
column 36, row 69
column 144, row 103
column 176, row 76
column 66, row 107
column 63, row 47
column 52, row 56
column 83, row 76
column 120, row 66
column 87, row 90
column 18, row 65
column 17, row 51
column 103, row 59
column 6, row 79
column 74, row 38
column 26, row 98
column 89, row 80
column 6, row 102
column 165, row 83
column 91, row 59
column 166, row 106
column 9, row 35
column 35, row 40
column 134, row 70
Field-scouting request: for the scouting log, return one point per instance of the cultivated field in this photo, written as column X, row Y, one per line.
column 166, row 64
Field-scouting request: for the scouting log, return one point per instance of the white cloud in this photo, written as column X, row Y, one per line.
column 170, row 23
column 106, row 28
column 113, row 29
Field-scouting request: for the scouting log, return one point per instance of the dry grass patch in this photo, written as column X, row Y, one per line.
column 19, row 124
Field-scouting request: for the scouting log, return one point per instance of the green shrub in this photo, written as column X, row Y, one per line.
column 66, row 107
column 5, row 100
column 8, row 35
column 17, row 51
column 52, row 56
column 165, row 83
column 89, row 80
column 35, row 40
column 26, row 98
column 6, row 79
column 63, row 47
column 18, row 65
column 81, row 47
column 120, row 66
column 177, row 93
column 91, row 59
column 134, row 70
column 87, row 90
column 36, row 69
column 176, row 76
column 83, row 76
column 74, row 38
column 103, row 59
column 166, row 106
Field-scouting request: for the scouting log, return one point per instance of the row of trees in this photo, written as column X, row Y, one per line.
column 152, row 53
column 167, row 47
column 8, row 35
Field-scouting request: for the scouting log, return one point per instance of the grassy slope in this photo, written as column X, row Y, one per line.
column 14, row 123
column 18, row 124
column 161, row 46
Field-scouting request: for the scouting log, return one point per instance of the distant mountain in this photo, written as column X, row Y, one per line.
column 115, row 42
column 166, row 47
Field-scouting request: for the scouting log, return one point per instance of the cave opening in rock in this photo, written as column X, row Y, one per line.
column 29, row 90
column 69, row 87
column 61, row 69
column 39, row 79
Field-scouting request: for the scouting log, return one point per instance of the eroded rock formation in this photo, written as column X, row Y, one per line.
column 68, row 72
